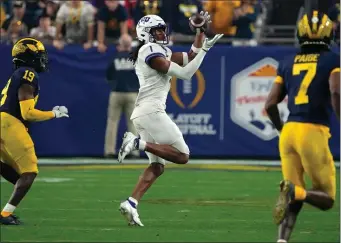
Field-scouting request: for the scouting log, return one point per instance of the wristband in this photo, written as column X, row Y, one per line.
column 195, row 50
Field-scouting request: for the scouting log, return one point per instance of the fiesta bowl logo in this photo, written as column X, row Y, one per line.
column 187, row 91
column 188, row 122
column 249, row 91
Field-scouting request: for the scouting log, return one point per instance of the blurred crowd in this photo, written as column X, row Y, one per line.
column 101, row 22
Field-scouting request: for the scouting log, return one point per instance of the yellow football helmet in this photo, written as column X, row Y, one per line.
column 315, row 28
column 30, row 52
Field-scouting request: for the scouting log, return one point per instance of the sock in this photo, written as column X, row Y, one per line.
column 8, row 210
column 281, row 241
column 140, row 144
column 300, row 193
column 133, row 202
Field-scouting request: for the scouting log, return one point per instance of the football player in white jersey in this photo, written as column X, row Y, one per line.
column 159, row 136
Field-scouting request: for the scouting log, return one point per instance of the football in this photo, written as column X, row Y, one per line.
column 198, row 23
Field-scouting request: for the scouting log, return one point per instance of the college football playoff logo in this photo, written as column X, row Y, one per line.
column 180, row 100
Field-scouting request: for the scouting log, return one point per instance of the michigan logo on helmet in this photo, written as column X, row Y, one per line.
column 30, row 52
column 315, row 28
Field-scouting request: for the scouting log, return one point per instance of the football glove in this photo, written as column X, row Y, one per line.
column 208, row 44
column 206, row 16
column 60, row 111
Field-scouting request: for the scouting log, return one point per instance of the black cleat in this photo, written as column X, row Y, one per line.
column 287, row 194
column 10, row 220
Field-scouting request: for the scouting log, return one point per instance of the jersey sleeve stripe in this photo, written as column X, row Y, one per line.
column 279, row 80
column 335, row 70
column 149, row 57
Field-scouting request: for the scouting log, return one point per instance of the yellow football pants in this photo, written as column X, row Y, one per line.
column 304, row 148
column 17, row 148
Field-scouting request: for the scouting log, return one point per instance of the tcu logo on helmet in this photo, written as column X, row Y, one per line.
column 144, row 20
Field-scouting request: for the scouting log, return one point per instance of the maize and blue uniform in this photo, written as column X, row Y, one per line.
column 17, row 147
column 304, row 138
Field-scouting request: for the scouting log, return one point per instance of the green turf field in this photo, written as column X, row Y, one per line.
column 186, row 205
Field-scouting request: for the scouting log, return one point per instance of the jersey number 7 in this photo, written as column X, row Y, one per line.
column 302, row 97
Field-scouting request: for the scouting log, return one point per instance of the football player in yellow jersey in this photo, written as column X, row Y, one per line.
column 17, row 110
column 311, row 79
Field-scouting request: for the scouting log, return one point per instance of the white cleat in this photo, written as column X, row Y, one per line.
column 128, row 145
column 130, row 213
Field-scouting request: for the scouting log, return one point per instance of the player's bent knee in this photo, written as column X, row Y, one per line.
column 183, row 158
column 183, row 149
column 28, row 163
column 154, row 171
column 158, row 169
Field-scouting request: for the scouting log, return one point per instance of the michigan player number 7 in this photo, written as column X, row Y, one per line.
column 311, row 79
column 310, row 68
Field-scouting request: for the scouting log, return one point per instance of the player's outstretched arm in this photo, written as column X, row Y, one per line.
column 27, row 104
column 334, row 86
column 199, row 28
column 164, row 66
column 276, row 96
column 183, row 58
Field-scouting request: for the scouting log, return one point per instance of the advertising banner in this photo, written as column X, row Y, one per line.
column 220, row 111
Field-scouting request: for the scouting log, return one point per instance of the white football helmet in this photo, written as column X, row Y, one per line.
column 146, row 25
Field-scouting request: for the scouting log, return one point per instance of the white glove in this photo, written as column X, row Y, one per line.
column 60, row 111
column 208, row 44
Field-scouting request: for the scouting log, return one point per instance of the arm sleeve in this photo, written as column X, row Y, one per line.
column 185, row 59
column 186, row 73
column 29, row 113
